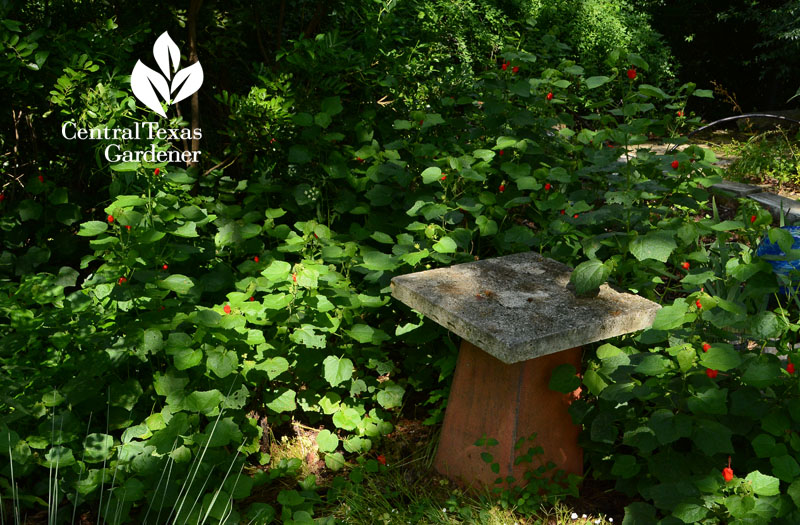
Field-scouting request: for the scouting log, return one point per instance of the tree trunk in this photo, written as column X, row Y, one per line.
column 194, row 10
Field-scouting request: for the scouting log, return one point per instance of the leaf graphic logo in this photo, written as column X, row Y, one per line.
column 150, row 87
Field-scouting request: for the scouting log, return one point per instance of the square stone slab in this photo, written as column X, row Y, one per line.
column 518, row 307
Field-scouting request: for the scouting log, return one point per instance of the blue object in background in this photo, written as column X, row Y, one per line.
column 781, row 267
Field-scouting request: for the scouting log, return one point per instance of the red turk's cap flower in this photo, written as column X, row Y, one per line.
column 727, row 474
column 504, row 66
column 381, row 459
column 502, row 188
column 359, row 159
column 685, row 265
column 421, row 122
column 294, row 277
column 631, row 73
column 575, row 216
column 255, row 259
column 122, row 280
column 547, row 186
column 501, row 152
column 41, row 179
column 549, row 95
column 444, row 177
column 515, row 69
column 698, row 303
column 790, row 368
column 752, row 219
column 110, row 218
column 156, row 171
column 127, row 226
column 2, row 197
column 675, row 164
column 563, row 212
column 680, row 113
column 252, row 298
column 165, row 267
column 710, row 372
column 227, row 309
column 706, row 346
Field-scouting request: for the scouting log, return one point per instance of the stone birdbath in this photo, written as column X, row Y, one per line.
column 518, row 321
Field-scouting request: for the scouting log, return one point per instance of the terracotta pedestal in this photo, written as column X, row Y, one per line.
column 507, row 402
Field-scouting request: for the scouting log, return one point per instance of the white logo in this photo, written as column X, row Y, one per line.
column 147, row 84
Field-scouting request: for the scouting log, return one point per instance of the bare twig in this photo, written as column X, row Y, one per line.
column 221, row 165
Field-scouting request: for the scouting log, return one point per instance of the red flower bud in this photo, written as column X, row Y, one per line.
column 444, row 177
column 752, row 219
column 2, row 197
column 127, row 226
column 706, row 347
column 504, row 66
column 547, row 186
column 294, row 277
column 515, row 69
column 698, row 304
column 122, row 280
column 252, row 298
column 549, row 96
column 500, row 152
column 165, row 267
column 227, row 309
column 675, row 164
column 575, row 216
column 790, row 368
column 680, row 113
column 710, row 372
column 255, row 259
column 685, row 265
column 110, row 219
column 563, row 212
column 631, row 73
column 727, row 474
column 502, row 188
column 421, row 122
column 156, row 171
column 41, row 179
column 381, row 459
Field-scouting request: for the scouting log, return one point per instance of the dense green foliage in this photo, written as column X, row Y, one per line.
column 600, row 31
column 160, row 319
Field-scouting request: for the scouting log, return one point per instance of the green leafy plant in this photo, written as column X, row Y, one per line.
column 541, row 485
